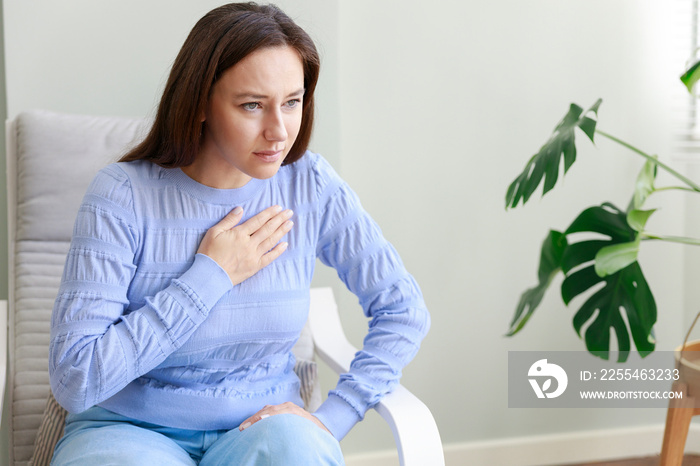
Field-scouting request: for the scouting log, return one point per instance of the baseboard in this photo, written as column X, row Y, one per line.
column 544, row 450
column 377, row 458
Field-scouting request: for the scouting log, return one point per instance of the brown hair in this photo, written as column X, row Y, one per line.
column 218, row 41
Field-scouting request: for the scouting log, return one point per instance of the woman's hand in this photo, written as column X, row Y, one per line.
column 284, row 408
column 242, row 250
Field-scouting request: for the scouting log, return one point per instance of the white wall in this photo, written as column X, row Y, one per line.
column 442, row 103
column 429, row 110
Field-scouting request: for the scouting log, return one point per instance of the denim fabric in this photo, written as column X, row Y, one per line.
column 101, row 437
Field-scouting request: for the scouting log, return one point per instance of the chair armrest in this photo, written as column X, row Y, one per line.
column 3, row 350
column 415, row 432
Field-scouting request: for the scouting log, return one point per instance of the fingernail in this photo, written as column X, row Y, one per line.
column 289, row 213
column 245, row 426
column 288, row 224
column 264, row 416
column 238, row 210
column 278, row 208
column 284, row 245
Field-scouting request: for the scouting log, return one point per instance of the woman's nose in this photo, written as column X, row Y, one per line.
column 275, row 129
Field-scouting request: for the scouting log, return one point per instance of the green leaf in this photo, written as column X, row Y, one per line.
column 621, row 290
column 605, row 219
column 580, row 253
column 637, row 219
column 625, row 291
column 550, row 264
column 691, row 76
column 546, row 162
column 645, row 183
column 610, row 259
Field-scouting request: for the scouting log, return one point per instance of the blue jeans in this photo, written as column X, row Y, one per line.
column 101, row 437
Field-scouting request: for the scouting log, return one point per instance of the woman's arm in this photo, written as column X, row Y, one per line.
column 96, row 347
column 98, row 344
column 352, row 243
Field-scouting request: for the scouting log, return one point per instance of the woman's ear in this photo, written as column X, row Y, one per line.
column 203, row 112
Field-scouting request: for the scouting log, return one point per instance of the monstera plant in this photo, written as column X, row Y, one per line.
column 602, row 268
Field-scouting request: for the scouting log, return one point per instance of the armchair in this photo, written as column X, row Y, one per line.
column 51, row 158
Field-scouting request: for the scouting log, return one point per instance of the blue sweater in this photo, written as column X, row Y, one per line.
column 145, row 327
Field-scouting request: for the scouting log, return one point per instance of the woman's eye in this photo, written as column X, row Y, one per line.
column 293, row 103
column 250, row 105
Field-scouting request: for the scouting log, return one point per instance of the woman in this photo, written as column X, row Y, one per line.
column 187, row 281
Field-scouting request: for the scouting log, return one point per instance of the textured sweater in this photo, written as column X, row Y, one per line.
column 146, row 327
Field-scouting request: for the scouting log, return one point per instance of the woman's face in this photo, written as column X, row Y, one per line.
column 252, row 119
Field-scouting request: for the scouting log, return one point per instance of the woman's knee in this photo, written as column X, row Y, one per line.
column 293, row 432
column 282, row 439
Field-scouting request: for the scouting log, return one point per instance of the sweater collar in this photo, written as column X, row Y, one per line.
column 214, row 195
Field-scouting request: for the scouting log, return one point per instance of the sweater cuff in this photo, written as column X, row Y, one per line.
column 207, row 280
column 338, row 416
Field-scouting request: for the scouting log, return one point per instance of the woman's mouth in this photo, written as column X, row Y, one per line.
column 268, row 156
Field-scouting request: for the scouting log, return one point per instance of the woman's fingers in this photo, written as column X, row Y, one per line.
column 230, row 220
column 271, row 234
column 270, row 410
column 273, row 254
column 243, row 249
column 254, row 223
column 284, row 408
column 262, row 414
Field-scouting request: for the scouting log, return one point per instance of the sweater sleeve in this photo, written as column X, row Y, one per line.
column 98, row 345
column 352, row 243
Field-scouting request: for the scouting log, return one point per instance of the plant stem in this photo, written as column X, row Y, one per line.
column 672, row 239
column 673, row 172
column 670, row 188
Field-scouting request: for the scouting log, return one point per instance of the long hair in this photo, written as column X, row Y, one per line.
column 218, row 41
